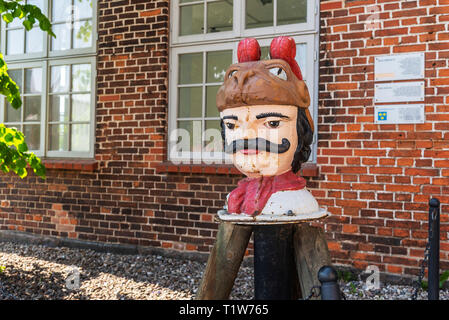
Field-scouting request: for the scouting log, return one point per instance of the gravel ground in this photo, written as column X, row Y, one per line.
column 38, row 272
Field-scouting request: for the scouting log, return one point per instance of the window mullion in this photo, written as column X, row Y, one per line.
column 203, row 107
column 204, row 17
column 44, row 103
column 22, row 96
column 69, row 125
column 275, row 13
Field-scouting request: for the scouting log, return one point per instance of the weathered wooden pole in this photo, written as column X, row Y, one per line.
column 224, row 261
column 311, row 253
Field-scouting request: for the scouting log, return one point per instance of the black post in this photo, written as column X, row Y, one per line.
column 275, row 275
column 330, row 290
column 434, row 254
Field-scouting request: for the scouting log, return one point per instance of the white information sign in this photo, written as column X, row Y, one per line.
column 405, row 66
column 399, row 113
column 399, row 91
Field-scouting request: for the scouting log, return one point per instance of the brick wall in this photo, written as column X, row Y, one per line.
column 376, row 180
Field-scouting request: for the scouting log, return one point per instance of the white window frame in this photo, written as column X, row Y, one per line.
column 173, row 95
column 45, row 104
column 93, row 75
column 302, row 33
column 239, row 30
column 46, row 60
column 47, row 52
column 29, row 65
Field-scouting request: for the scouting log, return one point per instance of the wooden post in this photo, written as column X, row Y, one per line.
column 311, row 253
column 224, row 261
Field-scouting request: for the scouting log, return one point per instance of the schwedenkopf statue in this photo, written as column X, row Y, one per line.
column 268, row 130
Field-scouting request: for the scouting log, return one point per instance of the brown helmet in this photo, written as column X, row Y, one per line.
column 265, row 82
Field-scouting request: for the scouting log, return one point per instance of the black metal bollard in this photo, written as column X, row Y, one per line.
column 275, row 276
column 330, row 290
column 434, row 252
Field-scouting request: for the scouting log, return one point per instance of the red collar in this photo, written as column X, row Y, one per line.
column 252, row 194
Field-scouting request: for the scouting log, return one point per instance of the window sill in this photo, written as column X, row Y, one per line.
column 71, row 164
column 307, row 170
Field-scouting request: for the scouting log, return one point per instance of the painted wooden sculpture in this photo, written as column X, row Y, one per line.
column 267, row 129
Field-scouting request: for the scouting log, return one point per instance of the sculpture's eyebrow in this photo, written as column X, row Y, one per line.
column 271, row 114
column 230, row 117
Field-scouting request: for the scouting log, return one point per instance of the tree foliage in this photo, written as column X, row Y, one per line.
column 14, row 154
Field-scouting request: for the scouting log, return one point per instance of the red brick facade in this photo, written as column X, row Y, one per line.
column 376, row 180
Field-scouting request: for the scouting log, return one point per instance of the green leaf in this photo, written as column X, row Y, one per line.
column 8, row 17
column 443, row 278
column 22, row 173
column 18, row 13
column 21, row 164
column 23, row 147
column 9, row 137
column 45, row 25
column 424, row 285
column 28, row 25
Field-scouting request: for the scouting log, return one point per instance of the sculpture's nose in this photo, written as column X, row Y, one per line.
column 241, row 77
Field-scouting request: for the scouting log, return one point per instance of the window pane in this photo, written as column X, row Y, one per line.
column 32, row 136
column 217, row 64
column 83, row 9
column 32, row 108
column 39, row 3
column 34, row 40
column 16, row 23
column 211, row 101
column 190, row 102
column 190, row 68
column 15, row 41
column 259, row 13
column 33, row 80
column 82, row 34
column 80, row 137
column 16, row 75
column 192, row 19
column 59, row 108
column 194, row 131
column 62, row 40
column 60, row 79
column 11, row 114
column 265, row 53
column 291, row 11
column 59, row 137
column 301, row 58
column 219, row 16
column 81, row 77
column 81, row 107
column 61, row 10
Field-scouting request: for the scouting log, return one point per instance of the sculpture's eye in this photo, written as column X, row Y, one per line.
column 279, row 72
column 230, row 125
column 231, row 74
column 272, row 124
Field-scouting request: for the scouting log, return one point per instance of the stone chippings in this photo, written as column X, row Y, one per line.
column 40, row 272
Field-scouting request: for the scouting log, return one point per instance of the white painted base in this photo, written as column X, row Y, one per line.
column 223, row 215
column 282, row 207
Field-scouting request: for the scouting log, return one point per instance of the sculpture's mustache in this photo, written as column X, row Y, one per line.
column 259, row 144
